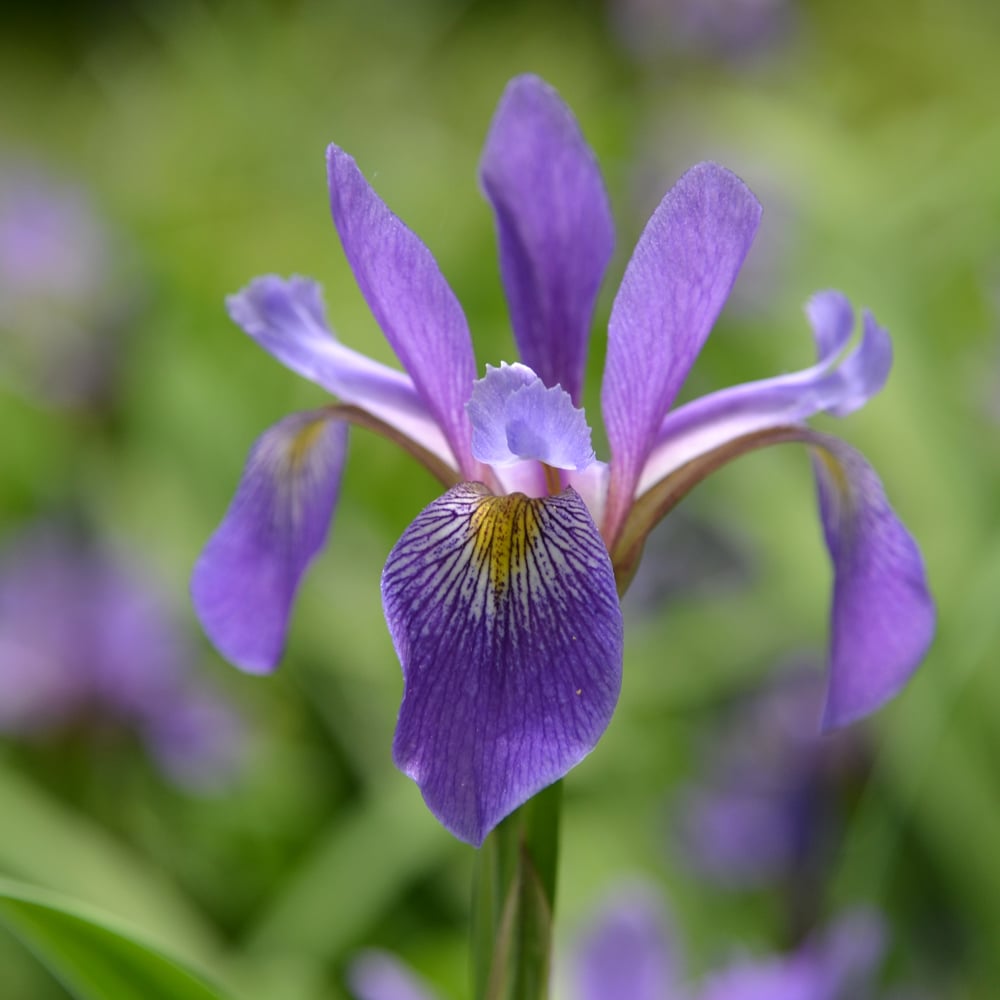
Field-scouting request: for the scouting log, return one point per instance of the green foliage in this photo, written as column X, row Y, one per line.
column 92, row 958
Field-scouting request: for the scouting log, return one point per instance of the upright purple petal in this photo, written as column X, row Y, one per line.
column 674, row 288
column 287, row 319
column 554, row 227
column 410, row 299
column 246, row 578
column 882, row 620
column 627, row 952
column 504, row 614
column 832, row 385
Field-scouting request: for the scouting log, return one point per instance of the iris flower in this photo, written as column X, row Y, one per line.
column 502, row 596
column 767, row 805
column 88, row 647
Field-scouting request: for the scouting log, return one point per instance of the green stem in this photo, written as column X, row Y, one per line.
column 513, row 902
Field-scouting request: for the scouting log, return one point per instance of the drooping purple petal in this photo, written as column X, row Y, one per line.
column 674, row 288
column 554, row 227
column 287, row 319
column 410, row 299
column 246, row 578
column 515, row 417
column 377, row 975
column 840, row 388
column 882, row 620
column 504, row 615
column 627, row 952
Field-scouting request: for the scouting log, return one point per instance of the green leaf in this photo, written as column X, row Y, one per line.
column 89, row 955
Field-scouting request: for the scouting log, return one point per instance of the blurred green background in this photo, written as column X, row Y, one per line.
column 871, row 133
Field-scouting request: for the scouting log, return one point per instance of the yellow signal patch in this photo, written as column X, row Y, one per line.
column 504, row 528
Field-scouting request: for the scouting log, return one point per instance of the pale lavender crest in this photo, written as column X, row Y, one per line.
column 510, row 638
column 882, row 620
column 410, row 299
column 516, row 417
column 554, row 227
column 674, row 288
column 247, row 576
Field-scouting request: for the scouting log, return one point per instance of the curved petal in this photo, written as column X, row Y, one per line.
column 882, row 620
column 377, row 975
column 246, row 578
column 515, row 418
column 287, row 319
column 504, row 615
column 410, row 299
column 554, row 227
column 628, row 951
column 674, row 287
column 709, row 422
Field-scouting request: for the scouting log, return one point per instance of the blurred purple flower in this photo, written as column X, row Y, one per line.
column 735, row 30
column 628, row 951
column 765, row 810
column 64, row 295
column 86, row 640
column 501, row 597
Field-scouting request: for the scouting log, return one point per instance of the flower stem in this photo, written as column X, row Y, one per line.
column 513, row 901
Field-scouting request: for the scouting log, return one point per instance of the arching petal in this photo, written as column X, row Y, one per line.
column 515, row 418
column 628, row 951
column 882, row 620
column 410, row 299
column 674, row 288
column 287, row 319
column 246, row 578
column 504, row 615
column 377, row 975
column 709, row 422
column 554, row 227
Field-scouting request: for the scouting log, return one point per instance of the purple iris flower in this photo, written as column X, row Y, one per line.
column 87, row 643
column 735, row 30
column 502, row 596
column 65, row 291
column 768, row 805
column 629, row 951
